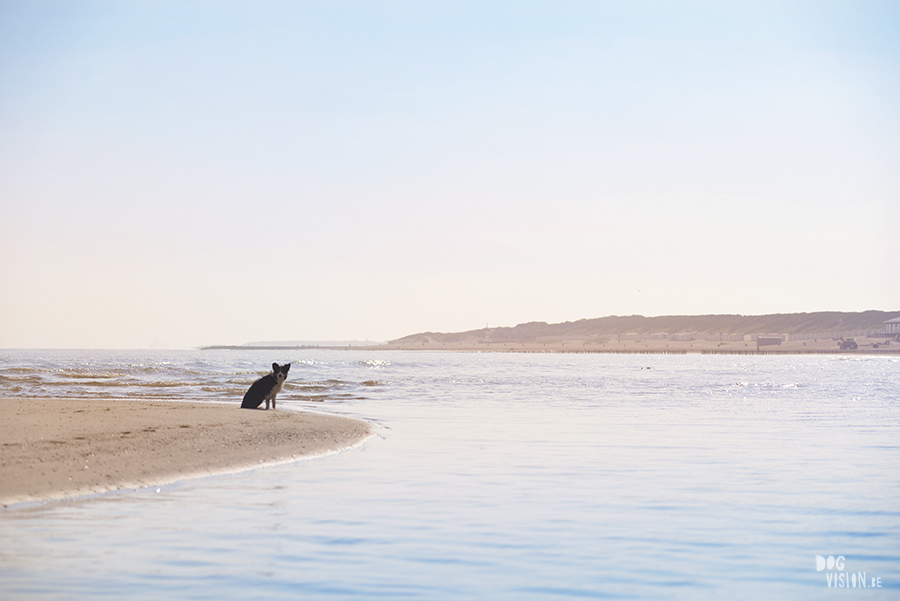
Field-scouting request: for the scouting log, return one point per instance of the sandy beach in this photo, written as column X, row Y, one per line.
column 61, row 448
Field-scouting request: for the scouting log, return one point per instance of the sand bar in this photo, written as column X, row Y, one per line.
column 61, row 448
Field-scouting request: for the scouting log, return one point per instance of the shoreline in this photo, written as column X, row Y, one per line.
column 877, row 353
column 55, row 449
column 873, row 346
column 611, row 345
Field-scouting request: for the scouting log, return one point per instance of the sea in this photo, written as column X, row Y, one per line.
column 520, row 476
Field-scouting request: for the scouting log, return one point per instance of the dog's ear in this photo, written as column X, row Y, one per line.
column 286, row 367
column 275, row 367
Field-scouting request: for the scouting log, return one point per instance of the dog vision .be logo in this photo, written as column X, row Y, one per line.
column 842, row 579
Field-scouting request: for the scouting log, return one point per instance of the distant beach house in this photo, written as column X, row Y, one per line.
column 892, row 326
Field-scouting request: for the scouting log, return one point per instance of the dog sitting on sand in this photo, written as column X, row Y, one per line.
column 266, row 388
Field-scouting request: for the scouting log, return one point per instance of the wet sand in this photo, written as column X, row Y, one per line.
column 61, row 448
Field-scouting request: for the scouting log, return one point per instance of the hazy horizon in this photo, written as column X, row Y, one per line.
column 358, row 342
column 179, row 174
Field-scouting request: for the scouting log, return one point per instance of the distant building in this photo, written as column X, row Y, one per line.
column 892, row 326
column 768, row 341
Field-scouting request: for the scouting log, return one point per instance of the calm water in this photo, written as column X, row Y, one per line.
column 493, row 476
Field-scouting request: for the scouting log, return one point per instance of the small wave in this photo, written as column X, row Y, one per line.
column 311, row 386
column 20, row 379
column 375, row 363
column 87, row 375
column 222, row 389
column 101, row 383
column 306, row 362
column 372, row 383
column 28, row 370
column 169, row 384
column 313, row 399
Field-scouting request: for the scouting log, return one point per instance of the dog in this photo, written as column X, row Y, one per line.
column 266, row 388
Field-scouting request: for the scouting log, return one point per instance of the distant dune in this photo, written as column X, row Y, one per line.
column 615, row 325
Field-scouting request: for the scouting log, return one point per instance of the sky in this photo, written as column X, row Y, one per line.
column 178, row 174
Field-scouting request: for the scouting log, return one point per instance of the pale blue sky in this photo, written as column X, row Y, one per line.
column 188, row 173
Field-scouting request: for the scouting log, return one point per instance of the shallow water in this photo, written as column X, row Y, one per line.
column 501, row 476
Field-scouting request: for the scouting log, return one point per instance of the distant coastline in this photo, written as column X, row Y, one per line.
column 876, row 345
column 696, row 349
column 866, row 332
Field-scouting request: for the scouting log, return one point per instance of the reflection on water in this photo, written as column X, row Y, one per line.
column 503, row 477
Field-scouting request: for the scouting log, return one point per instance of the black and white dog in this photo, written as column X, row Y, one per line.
column 266, row 388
